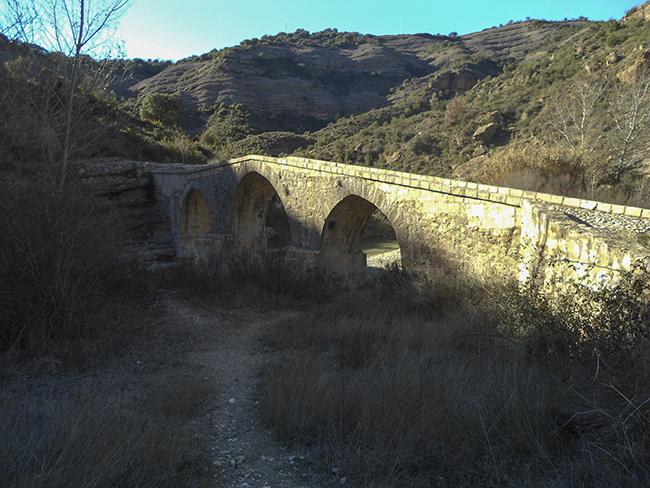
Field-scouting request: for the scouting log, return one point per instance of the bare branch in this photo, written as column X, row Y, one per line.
column 74, row 28
column 19, row 20
column 630, row 114
column 574, row 117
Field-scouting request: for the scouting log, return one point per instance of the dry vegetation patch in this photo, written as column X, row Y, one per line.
column 128, row 414
column 410, row 393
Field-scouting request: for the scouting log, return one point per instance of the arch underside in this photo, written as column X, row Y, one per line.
column 258, row 221
column 340, row 250
column 345, row 224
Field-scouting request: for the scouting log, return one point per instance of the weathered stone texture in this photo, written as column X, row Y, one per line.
column 558, row 252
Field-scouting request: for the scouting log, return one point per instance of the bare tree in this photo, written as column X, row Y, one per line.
column 81, row 25
column 19, row 19
column 574, row 116
column 609, row 121
column 75, row 28
column 66, row 26
column 630, row 118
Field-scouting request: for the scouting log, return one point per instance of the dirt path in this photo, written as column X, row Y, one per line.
column 244, row 451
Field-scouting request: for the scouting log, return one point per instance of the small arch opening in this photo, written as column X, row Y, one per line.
column 379, row 241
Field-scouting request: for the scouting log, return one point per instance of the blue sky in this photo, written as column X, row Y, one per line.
column 173, row 29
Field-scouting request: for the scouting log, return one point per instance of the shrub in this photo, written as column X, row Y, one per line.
column 539, row 167
column 420, row 144
column 159, row 108
column 456, row 111
column 58, row 261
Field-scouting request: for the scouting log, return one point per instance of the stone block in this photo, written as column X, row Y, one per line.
column 589, row 205
column 513, row 200
column 498, row 197
column 604, row 207
column 572, row 202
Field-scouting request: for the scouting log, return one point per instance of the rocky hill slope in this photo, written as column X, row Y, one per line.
column 328, row 75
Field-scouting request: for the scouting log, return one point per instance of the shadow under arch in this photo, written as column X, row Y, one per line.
column 258, row 221
column 195, row 220
column 340, row 245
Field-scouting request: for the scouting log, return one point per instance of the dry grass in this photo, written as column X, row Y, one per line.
column 561, row 170
column 424, row 396
column 130, row 413
column 94, row 391
column 99, row 438
column 539, row 167
column 270, row 283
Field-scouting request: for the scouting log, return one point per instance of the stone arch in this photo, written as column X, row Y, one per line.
column 344, row 225
column 195, row 220
column 258, row 221
column 340, row 250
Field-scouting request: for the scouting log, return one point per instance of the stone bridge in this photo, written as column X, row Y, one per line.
column 314, row 212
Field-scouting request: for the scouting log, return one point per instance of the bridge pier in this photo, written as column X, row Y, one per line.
column 219, row 250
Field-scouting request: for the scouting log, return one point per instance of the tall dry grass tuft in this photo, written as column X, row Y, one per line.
column 562, row 170
column 540, row 167
column 443, row 397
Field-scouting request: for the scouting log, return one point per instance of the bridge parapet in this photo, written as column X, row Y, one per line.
column 511, row 196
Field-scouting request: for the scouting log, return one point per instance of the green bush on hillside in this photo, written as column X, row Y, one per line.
column 159, row 108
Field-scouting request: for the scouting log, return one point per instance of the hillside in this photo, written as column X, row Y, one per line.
column 126, row 363
column 533, row 104
column 328, row 75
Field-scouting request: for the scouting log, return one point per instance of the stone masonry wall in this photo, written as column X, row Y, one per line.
column 558, row 252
